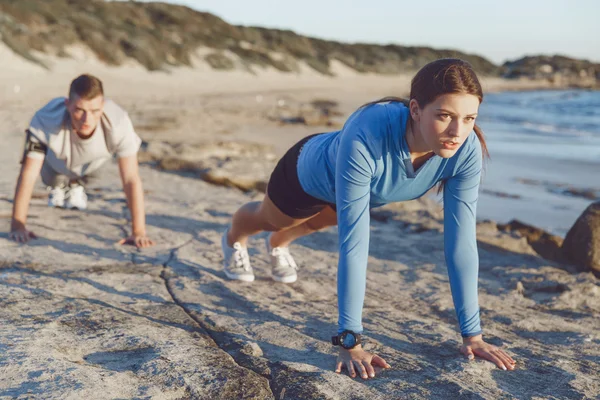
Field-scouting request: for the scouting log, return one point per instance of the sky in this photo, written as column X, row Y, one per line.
column 497, row 30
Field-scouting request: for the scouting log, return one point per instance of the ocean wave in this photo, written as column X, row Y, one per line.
column 547, row 113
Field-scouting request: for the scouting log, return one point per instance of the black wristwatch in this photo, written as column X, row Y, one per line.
column 347, row 339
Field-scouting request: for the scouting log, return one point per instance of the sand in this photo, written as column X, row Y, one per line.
column 81, row 317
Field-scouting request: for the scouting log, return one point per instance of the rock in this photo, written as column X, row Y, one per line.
column 245, row 166
column 125, row 337
column 252, row 349
column 319, row 112
column 558, row 70
column 545, row 244
column 582, row 243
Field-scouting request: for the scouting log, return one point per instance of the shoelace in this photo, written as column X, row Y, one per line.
column 241, row 258
column 284, row 257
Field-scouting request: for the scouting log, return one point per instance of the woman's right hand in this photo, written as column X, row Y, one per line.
column 22, row 235
column 358, row 360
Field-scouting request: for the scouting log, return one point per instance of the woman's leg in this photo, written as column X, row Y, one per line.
column 255, row 217
column 283, row 264
column 282, row 238
column 250, row 219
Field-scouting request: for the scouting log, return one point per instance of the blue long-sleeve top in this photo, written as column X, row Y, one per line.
column 367, row 164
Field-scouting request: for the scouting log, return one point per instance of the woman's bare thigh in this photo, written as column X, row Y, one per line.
column 327, row 217
column 274, row 217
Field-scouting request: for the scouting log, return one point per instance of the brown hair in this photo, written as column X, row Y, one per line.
column 86, row 87
column 443, row 76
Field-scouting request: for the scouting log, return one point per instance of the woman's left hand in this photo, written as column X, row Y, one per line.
column 475, row 346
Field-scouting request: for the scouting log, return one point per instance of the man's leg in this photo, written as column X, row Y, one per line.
column 52, row 178
column 92, row 173
column 57, row 184
column 76, row 195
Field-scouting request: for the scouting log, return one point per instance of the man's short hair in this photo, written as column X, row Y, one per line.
column 86, row 87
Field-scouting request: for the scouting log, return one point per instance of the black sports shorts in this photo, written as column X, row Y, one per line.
column 284, row 187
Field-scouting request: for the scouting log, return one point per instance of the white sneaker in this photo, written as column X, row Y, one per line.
column 56, row 197
column 282, row 262
column 236, row 261
column 76, row 198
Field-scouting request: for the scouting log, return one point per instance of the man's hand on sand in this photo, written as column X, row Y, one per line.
column 358, row 360
column 138, row 241
column 475, row 346
column 22, row 235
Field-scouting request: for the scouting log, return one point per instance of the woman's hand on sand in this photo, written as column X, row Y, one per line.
column 22, row 235
column 475, row 346
column 357, row 360
column 138, row 241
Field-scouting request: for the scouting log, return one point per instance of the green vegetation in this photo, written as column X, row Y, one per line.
column 159, row 35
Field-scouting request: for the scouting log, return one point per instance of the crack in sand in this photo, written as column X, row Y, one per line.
column 207, row 330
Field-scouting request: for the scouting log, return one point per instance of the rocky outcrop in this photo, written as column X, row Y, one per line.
column 582, row 243
column 545, row 244
column 559, row 70
column 323, row 113
column 245, row 166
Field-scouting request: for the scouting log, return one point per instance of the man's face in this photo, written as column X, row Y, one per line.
column 85, row 114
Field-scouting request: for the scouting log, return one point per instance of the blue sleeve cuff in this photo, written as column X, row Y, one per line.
column 467, row 335
column 357, row 330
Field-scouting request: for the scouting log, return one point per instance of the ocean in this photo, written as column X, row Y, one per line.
column 545, row 156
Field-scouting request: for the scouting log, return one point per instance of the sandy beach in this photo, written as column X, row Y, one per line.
column 81, row 317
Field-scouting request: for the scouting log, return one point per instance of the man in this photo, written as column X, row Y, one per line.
column 67, row 141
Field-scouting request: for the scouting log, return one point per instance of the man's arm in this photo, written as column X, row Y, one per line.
column 132, row 185
column 30, row 170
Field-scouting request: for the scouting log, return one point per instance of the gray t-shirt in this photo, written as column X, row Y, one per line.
column 51, row 136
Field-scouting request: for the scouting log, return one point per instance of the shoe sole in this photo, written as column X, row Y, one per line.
column 235, row 277
column 286, row 279
column 75, row 208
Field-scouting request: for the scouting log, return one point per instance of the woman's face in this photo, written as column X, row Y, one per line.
column 446, row 122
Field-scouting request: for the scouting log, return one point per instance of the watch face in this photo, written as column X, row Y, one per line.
column 348, row 340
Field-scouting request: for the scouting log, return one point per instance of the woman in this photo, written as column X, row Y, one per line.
column 387, row 151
